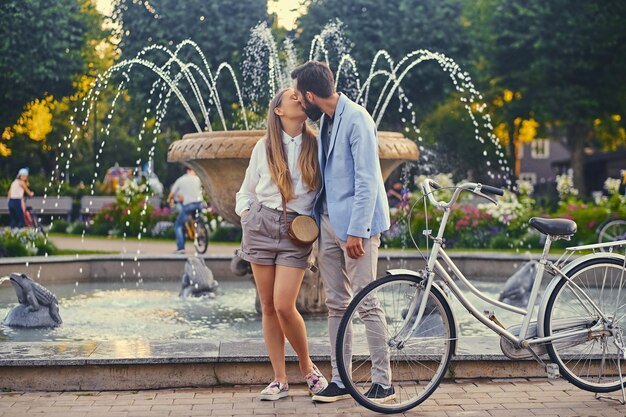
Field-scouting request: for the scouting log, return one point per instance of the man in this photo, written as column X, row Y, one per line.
column 187, row 193
column 352, row 210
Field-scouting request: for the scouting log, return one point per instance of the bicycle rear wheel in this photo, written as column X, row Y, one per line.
column 594, row 360
column 201, row 241
column 612, row 230
column 368, row 340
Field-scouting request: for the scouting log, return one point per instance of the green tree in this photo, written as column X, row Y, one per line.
column 56, row 69
column 400, row 27
column 221, row 28
column 40, row 45
column 448, row 131
column 566, row 59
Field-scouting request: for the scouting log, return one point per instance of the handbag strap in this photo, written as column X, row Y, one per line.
column 284, row 210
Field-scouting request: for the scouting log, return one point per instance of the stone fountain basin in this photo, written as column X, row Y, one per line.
column 139, row 363
column 220, row 159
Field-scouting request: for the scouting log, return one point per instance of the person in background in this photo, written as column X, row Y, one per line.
column 152, row 179
column 117, row 176
column 398, row 195
column 18, row 188
column 186, row 191
column 281, row 182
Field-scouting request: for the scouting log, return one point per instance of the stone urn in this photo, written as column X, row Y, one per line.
column 220, row 160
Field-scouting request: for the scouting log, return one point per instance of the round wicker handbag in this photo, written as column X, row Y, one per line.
column 303, row 230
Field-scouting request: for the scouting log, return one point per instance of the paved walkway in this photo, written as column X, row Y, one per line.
column 510, row 398
column 146, row 247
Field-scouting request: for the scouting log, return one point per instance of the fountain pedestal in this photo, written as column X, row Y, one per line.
column 220, row 160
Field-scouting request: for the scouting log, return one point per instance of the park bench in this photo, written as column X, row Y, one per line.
column 93, row 204
column 49, row 206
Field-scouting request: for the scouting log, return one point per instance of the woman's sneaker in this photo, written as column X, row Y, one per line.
column 274, row 391
column 315, row 380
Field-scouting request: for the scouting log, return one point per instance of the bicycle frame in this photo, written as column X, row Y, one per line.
column 436, row 268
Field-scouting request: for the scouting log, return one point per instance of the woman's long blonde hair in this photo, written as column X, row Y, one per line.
column 277, row 160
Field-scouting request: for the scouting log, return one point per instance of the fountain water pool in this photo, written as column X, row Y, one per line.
column 154, row 311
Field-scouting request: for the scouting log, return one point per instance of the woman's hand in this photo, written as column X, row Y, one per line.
column 244, row 213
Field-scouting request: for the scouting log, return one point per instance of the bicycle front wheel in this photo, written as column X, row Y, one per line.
column 201, row 241
column 612, row 230
column 375, row 345
column 593, row 359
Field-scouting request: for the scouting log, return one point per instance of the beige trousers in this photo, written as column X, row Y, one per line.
column 343, row 277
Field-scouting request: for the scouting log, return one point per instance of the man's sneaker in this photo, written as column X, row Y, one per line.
column 315, row 381
column 331, row 393
column 274, row 391
column 179, row 251
column 379, row 394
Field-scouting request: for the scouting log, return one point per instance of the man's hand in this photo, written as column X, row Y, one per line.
column 354, row 247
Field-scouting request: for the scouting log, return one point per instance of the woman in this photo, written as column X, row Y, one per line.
column 19, row 186
column 283, row 170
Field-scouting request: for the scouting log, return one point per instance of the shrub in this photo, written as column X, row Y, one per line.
column 24, row 242
column 59, row 226
column 226, row 233
column 130, row 214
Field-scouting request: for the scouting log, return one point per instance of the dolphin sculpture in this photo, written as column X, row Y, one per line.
column 37, row 307
column 197, row 280
column 518, row 286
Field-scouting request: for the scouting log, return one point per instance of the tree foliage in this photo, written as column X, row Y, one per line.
column 400, row 27
column 566, row 59
column 220, row 28
column 50, row 68
column 41, row 47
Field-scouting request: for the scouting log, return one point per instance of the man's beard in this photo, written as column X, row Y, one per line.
column 312, row 111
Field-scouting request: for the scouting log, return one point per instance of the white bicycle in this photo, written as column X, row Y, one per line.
column 578, row 331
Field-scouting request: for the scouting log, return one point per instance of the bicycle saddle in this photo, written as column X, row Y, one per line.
column 554, row 227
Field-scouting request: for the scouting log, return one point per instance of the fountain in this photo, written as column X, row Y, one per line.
column 220, row 158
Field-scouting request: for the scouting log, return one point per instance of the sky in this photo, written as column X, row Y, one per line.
column 287, row 10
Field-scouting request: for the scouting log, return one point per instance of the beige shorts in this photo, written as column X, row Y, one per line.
column 266, row 242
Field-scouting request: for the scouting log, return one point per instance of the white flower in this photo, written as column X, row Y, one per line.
column 599, row 199
column 565, row 186
column 611, row 185
column 525, row 187
column 508, row 208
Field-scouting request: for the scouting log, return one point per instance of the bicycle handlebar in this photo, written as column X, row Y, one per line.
column 479, row 189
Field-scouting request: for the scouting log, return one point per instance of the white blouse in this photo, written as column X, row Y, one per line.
column 16, row 191
column 259, row 186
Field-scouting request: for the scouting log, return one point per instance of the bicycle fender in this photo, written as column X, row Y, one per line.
column 555, row 280
column 434, row 287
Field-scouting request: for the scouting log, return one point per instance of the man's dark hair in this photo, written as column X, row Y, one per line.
column 315, row 77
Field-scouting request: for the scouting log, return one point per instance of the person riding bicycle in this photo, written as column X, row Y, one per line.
column 17, row 206
column 186, row 190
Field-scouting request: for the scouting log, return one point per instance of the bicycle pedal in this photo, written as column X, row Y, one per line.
column 552, row 369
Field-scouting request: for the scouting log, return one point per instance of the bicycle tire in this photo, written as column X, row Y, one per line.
column 35, row 222
column 611, row 230
column 201, row 241
column 416, row 367
column 586, row 360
